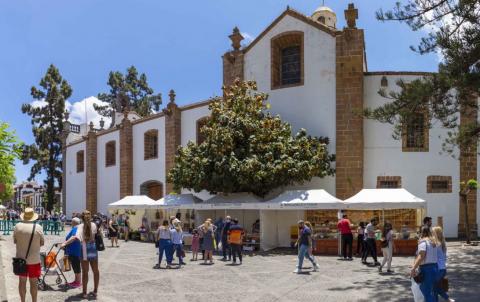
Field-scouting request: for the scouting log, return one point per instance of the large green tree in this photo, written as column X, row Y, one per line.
column 246, row 149
column 10, row 149
column 47, row 119
column 454, row 33
column 130, row 92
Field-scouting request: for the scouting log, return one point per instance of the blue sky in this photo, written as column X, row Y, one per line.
column 178, row 44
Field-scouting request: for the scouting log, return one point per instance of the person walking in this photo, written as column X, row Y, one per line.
column 235, row 240
column 344, row 226
column 113, row 230
column 28, row 238
column 360, row 238
column 426, row 261
column 86, row 235
column 74, row 253
column 177, row 240
column 370, row 243
column 303, row 245
column 208, row 241
column 441, row 262
column 226, row 249
column 311, row 244
column 387, row 247
column 126, row 228
column 164, row 239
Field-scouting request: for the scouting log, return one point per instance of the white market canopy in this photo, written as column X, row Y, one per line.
column 377, row 199
column 241, row 201
column 132, row 202
column 315, row 199
column 176, row 201
column 2, row 207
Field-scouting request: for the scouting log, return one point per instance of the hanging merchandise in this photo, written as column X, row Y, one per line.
column 178, row 215
column 187, row 215
column 192, row 216
column 158, row 215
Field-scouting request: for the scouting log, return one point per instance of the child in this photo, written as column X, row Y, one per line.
column 195, row 244
column 360, row 238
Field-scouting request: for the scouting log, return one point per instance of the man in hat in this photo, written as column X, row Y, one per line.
column 22, row 233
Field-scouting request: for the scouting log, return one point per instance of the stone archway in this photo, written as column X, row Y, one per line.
column 152, row 188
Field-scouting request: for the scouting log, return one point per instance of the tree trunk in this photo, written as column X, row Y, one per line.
column 467, row 224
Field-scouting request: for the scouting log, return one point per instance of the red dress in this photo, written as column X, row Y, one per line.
column 195, row 243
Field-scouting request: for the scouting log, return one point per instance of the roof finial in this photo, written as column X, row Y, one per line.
column 236, row 38
column 351, row 14
column 172, row 96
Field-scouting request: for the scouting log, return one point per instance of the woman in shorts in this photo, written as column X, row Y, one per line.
column 74, row 253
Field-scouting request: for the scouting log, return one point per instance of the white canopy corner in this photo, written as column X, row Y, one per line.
column 241, row 201
column 313, row 199
column 378, row 199
column 176, row 201
column 2, row 207
column 132, row 202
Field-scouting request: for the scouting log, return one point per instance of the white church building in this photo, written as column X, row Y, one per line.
column 317, row 78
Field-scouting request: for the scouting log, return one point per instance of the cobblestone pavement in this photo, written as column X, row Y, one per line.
column 127, row 274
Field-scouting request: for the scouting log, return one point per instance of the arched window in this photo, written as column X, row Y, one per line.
column 321, row 19
column 80, row 161
column 287, row 57
column 150, row 144
column 200, row 123
column 110, row 154
column 152, row 188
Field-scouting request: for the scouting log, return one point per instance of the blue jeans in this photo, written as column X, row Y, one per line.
column 429, row 272
column 165, row 245
column 178, row 249
column 302, row 253
column 437, row 290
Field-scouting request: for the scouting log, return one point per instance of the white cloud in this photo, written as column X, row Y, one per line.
column 38, row 104
column 248, row 37
column 82, row 112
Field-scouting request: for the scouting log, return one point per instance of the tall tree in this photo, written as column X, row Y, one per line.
column 454, row 27
column 47, row 126
column 129, row 91
column 10, row 149
column 246, row 149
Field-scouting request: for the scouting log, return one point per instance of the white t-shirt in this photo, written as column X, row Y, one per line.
column 430, row 251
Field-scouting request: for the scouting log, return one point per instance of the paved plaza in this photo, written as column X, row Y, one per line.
column 127, row 274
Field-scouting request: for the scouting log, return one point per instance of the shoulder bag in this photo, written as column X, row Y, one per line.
column 419, row 277
column 20, row 264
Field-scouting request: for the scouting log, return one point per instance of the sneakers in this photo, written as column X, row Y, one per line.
column 75, row 284
column 297, row 271
column 377, row 263
column 315, row 267
column 380, row 269
column 390, row 271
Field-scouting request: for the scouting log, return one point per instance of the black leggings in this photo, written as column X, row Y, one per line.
column 236, row 251
column 360, row 246
column 75, row 262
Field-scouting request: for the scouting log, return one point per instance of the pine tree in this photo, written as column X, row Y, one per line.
column 47, row 126
column 129, row 92
column 454, row 34
column 246, row 149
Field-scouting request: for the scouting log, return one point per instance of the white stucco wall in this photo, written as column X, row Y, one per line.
column 189, row 123
column 75, row 182
column 152, row 169
column 311, row 106
column 108, row 178
column 384, row 157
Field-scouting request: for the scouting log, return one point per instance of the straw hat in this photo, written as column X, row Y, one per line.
column 29, row 215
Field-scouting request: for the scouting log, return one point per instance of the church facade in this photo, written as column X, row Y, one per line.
column 317, row 78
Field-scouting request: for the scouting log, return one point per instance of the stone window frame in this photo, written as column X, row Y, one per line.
column 426, row 137
column 439, row 178
column 199, row 124
column 110, row 154
column 279, row 42
column 80, row 161
column 150, row 152
column 397, row 179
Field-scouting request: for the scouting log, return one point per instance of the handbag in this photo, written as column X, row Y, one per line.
column 384, row 243
column 99, row 242
column 20, row 264
column 418, row 278
column 66, row 264
column 443, row 284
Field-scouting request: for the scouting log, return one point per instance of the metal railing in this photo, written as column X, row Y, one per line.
column 49, row 227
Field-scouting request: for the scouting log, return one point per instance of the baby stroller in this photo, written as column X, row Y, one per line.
column 50, row 263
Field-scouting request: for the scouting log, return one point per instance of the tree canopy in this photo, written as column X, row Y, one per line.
column 47, row 122
column 130, row 92
column 10, row 149
column 247, row 149
column 454, row 33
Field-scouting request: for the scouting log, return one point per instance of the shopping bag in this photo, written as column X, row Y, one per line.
column 417, row 293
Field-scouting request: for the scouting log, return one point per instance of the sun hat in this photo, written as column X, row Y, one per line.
column 29, row 215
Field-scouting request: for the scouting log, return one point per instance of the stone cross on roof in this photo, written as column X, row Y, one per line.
column 351, row 14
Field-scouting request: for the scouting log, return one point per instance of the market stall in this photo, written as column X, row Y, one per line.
column 396, row 206
column 280, row 215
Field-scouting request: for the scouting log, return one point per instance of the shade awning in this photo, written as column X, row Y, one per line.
column 304, row 199
column 132, row 202
column 375, row 199
column 242, row 201
column 176, row 201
